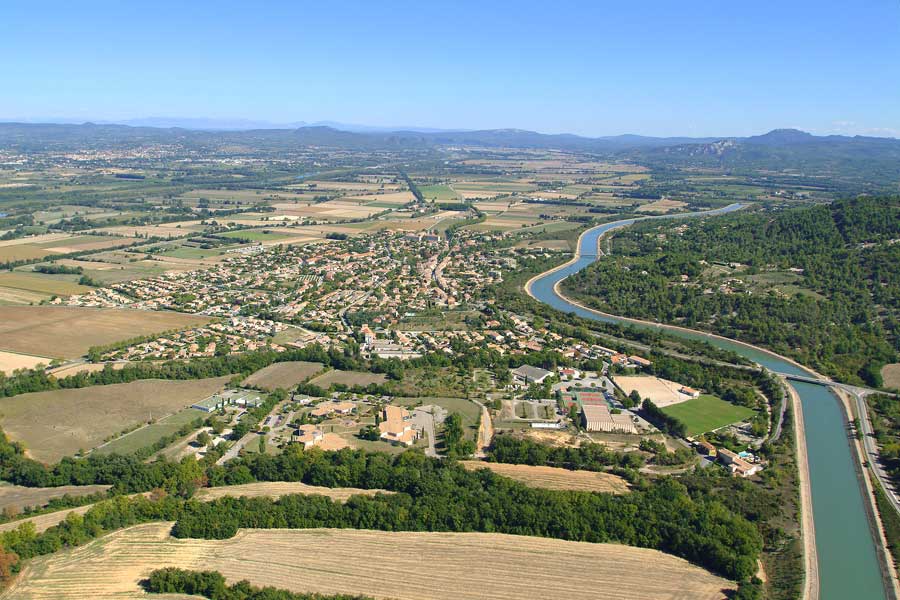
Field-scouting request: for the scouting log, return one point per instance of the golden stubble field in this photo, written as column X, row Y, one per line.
column 68, row 331
column 399, row 565
column 58, row 423
column 555, row 478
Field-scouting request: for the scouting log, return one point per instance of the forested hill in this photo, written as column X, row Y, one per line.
column 820, row 284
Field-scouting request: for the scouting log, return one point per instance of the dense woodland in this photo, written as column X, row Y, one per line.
column 844, row 318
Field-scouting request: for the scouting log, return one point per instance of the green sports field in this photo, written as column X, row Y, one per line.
column 707, row 413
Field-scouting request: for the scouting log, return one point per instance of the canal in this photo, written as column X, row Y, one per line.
column 848, row 563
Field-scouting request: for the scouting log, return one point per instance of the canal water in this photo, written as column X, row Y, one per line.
column 848, row 564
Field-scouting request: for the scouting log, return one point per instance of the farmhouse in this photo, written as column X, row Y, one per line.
column 526, row 375
column 736, row 464
column 597, row 417
column 309, row 436
column 396, row 426
column 639, row 361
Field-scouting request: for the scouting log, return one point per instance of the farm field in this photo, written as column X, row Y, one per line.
column 276, row 489
column 145, row 436
column 68, row 332
column 661, row 392
column 284, row 374
column 12, row 253
column 10, row 361
column 42, row 284
column 707, row 413
column 59, row 423
column 439, row 566
column 891, row 375
column 439, row 193
column 18, row 497
column 555, row 478
column 662, row 206
column 350, row 378
column 255, row 235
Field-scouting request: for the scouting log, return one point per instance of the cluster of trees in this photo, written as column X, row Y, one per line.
column 430, row 495
column 846, row 319
column 455, row 442
column 212, row 585
column 587, row 457
column 57, row 269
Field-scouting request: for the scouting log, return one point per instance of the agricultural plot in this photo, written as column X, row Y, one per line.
column 555, row 478
column 146, row 436
column 15, row 497
column 41, row 284
column 277, row 489
column 662, row 206
column 707, row 413
column 255, row 235
column 349, row 378
column 661, row 392
column 17, row 252
column 440, row 566
column 82, row 243
column 10, row 361
column 439, row 193
column 68, row 332
column 283, row 375
column 59, row 423
column 891, row 375
column 390, row 199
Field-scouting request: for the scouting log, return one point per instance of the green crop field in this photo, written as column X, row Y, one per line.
column 150, row 434
column 707, row 413
column 441, row 193
column 255, row 235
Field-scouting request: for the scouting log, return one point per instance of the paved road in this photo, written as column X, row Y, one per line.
column 425, row 419
column 871, row 449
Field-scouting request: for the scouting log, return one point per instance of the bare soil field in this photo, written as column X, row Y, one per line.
column 661, row 392
column 397, row 198
column 276, row 489
column 347, row 378
column 68, row 332
column 18, row 497
column 555, row 478
column 284, row 375
column 404, row 566
column 58, row 423
column 891, row 375
column 662, row 206
column 97, row 243
column 10, row 361
column 67, row 370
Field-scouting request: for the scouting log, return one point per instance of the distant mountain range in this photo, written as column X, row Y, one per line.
column 778, row 150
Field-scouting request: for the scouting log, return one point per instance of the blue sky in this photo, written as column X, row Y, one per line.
column 694, row 67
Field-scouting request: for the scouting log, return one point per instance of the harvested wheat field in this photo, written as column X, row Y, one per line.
column 46, row 521
column 554, row 478
column 58, row 423
column 274, row 489
column 68, row 331
column 10, row 361
column 404, row 566
column 662, row 206
column 17, row 497
column 277, row 489
column 284, row 374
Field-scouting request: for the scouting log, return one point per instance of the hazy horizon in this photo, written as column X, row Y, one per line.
column 651, row 68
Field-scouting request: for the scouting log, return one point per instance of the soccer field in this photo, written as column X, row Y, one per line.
column 707, row 413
